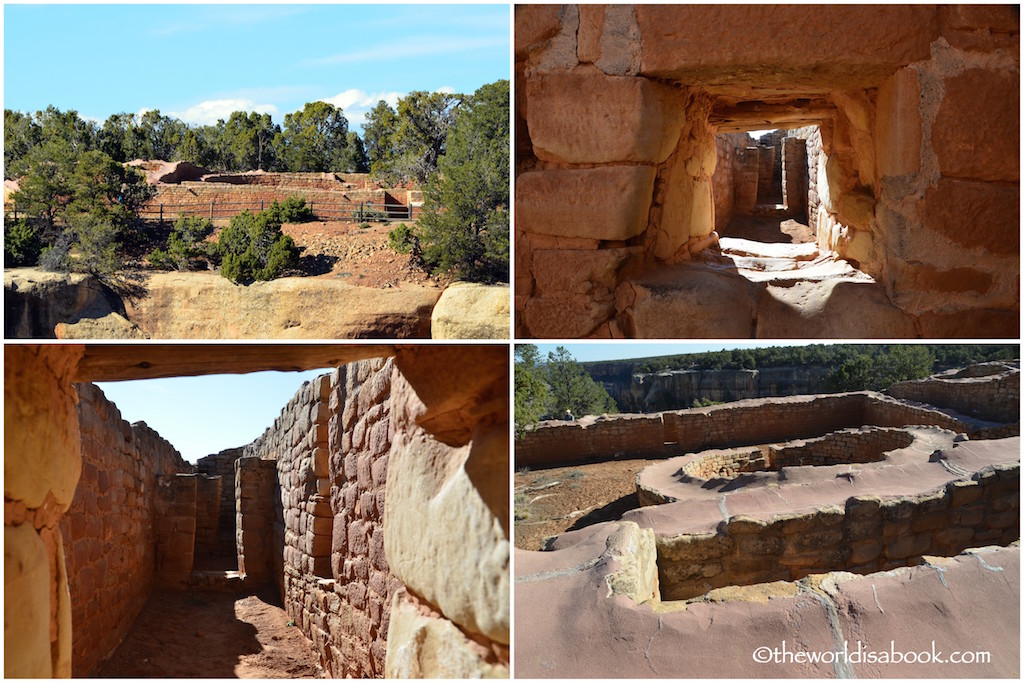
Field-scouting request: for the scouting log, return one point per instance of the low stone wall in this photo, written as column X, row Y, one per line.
column 114, row 525
column 223, row 465
column 175, row 507
column 990, row 391
column 868, row 534
column 255, row 484
column 741, row 423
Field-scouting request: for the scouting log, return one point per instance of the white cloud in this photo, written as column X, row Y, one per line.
column 208, row 112
column 357, row 103
column 446, row 89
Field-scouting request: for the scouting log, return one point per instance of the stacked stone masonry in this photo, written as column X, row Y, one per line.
column 222, row 465
column 990, row 391
column 748, row 422
column 118, row 534
column 916, row 141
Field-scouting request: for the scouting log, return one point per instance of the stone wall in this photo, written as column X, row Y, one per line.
column 748, row 422
column 208, row 500
column 330, row 452
column 727, row 182
column 919, row 121
column 223, row 465
column 870, row 534
column 990, row 391
column 175, row 508
column 114, row 526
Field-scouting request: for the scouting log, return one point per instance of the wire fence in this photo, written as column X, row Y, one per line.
column 341, row 211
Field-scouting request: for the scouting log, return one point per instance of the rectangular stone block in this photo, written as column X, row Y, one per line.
column 587, row 117
column 898, row 122
column 606, row 203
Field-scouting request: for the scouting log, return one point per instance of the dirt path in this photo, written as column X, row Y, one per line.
column 553, row 501
column 212, row 635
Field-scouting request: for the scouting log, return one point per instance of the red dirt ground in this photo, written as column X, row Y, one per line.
column 212, row 635
column 553, row 501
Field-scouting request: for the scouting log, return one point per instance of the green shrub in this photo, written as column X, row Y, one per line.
column 253, row 247
column 403, row 239
column 291, row 210
column 185, row 244
column 22, row 245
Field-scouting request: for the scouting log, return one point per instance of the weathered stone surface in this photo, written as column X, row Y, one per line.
column 588, row 37
column 967, row 323
column 110, row 326
column 575, row 271
column 607, row 203
column 689, row 302
column 206, row 305
column 976, row 134
column 620, row 41
column 586, row 117
column 975, row 214
column 428, row 646
column 42, row 454
column 35, row 301
column 898, row 121
column 566, row 315
column 853, row 47
column 469, row 310
column 534, row 25
column 830, row 309
column 441, row 538
column 26, row 607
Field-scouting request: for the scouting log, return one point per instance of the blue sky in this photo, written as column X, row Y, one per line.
column 206, row 414
column 591, row 351
column 201, row 62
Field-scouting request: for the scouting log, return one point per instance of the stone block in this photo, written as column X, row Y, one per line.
column 852, row 46
column 534, row 25
column 683, row 302
column 587, row 117
column 26, row 604
column 975, row 214
column 425, row 645
column 606, row 203
column 977, row 322
column 898, row 125
column 566, row 316
column 830, row 309
column 574, row 271
column 976, row 133
column 471, row 311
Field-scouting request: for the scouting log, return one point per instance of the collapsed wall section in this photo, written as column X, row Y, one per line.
column 114, row 524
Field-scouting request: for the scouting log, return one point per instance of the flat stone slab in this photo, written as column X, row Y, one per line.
column 966, row 603
column 737, row 246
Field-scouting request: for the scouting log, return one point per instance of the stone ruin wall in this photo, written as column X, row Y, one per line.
column 615, row 150
column 868, row 535
column 111, row 529
column 752, row 421
column 730, row 182
column 330, row 445
column 225, row 195
column 978, row 395
column 223, row 465
column 451, row 503
column 321, row 534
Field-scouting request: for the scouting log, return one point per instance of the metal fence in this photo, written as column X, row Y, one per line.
column 341, row 211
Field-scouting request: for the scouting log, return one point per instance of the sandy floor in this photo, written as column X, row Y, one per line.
column 767, row 229
column 553, row 501
column 212, row 635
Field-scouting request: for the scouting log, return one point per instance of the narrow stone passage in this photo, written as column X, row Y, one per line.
column 213, row 635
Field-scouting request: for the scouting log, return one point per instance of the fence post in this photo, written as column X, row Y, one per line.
column 311, row 212
column 360, row 211
column 161, row 214
column 211, row 209
column 261, row 204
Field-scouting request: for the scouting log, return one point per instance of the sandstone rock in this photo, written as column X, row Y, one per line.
column 534, row 25
column 43, row 454
column 566, row 315
column 690, row 301
column 855, row 47
column 588, row 37
column 688, row 211
column 830, row 309
column 110, row 326
column 607, row 203
column 573, row 271
column 975, row 214
column 208, row 306
column 586, row 117
column 35, row 301
column 26, row 607
column 976, row 133
column 966, row 323
column 898, row 121
column 441, row 538
column 471, row 311
column 429, row 646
